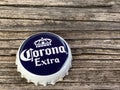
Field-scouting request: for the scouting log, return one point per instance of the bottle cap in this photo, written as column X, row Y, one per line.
column 44, row 58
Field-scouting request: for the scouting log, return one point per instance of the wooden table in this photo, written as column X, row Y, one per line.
column 91, row 27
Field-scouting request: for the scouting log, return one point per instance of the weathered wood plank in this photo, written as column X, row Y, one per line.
column 75, row 51
column 33, row 87
column 7, row 58
column 79, row 57
column 96, row 51
column 96, row 57
column 13, row 45
column 16, row 43
column 106, row 36
column 78, row 47
column 50, row 25
column 77, row 86
column 75, row 76
column 8, row 52
column 46, row 10
column 81, row 3
column 83, row 62
column 95, row 64
column 58, row 14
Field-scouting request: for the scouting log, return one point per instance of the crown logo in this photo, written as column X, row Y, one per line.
column 43, row 42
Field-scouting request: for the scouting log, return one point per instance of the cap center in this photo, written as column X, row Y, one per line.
column 43, row 54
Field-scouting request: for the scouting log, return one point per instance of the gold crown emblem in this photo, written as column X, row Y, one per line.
column 43, row 42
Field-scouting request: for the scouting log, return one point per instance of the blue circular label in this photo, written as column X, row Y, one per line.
column 43, row 53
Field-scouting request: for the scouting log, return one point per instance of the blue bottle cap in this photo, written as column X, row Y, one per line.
column 44, row 58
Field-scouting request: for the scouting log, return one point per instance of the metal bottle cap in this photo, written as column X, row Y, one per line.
column 44, row 58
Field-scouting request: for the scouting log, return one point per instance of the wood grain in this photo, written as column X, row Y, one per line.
column 55, row 13
column 61, row 2
column 71, row 35
column 53, row 25
column 91, row 28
